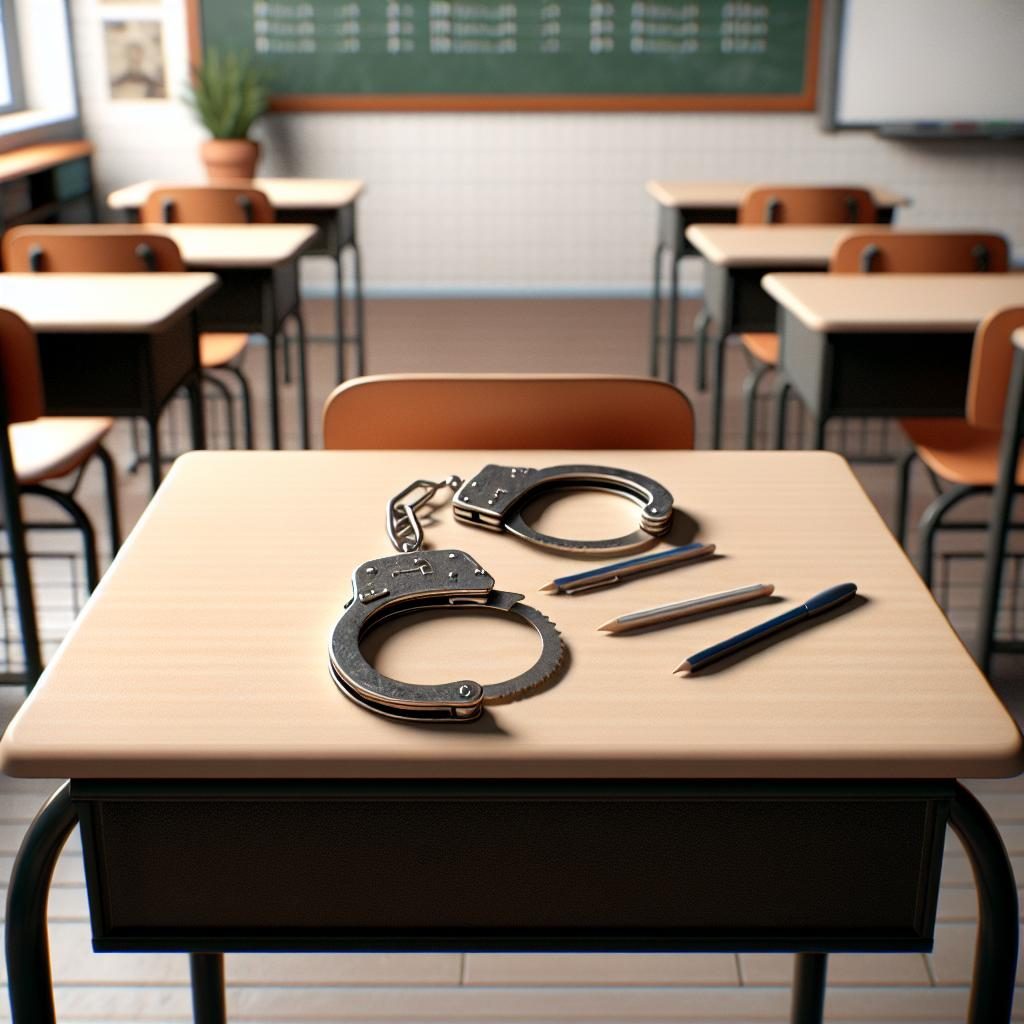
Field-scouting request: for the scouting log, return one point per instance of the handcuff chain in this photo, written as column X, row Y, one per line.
column 404, row 528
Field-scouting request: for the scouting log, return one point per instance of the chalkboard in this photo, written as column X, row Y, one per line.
column 521, row 54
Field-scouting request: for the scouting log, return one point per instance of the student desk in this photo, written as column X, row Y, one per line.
column 1002, row 505
column 231, row 798
column 258, row 268
column 115, row 344
column 681, row 203
column 330, row 204
column 736, row 257
column 881, row 344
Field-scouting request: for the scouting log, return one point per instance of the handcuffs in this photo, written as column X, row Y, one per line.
column 416, row 579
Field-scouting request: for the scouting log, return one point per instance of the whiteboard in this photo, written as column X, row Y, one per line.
column 907, row 62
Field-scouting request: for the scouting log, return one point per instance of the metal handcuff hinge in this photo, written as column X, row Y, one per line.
column 415, row 580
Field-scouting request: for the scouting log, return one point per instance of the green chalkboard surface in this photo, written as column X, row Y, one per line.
column 521, row 54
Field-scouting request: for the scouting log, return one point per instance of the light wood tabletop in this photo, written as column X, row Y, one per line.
column 227, row 246
column 720, row 195
column 283, row 193
column 204, row 652
column 894, row 302
column 30, row 159
column 85, row 303
column 779, row 245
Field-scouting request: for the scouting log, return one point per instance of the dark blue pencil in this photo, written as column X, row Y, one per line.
column 815, row 606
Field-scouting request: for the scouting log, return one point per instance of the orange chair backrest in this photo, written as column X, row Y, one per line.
column 20, row 373
column 991, row 359
column 207, row 205
column 925, row 252
column 80, row 251
column 499, row 411
column 784, row 204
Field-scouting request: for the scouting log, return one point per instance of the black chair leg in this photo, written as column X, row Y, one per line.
column 229, row 405
column 82, row 524
column 903, row 496
column 113, row 515
column 930, row 524
column 750, row 386
column 243, row 390
column 781, row 401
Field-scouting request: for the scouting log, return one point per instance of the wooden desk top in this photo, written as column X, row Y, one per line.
column 212, row 246
column 894, row 302
column 777, row 245
column 204, row 651
column 119, row 303
column 724, row 195
column 283, row 193
column 30, row 159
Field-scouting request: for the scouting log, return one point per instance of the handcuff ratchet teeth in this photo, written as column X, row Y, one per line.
column 495, row 498
column 417, row 580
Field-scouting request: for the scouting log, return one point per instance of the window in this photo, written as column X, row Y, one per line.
column 11, row 92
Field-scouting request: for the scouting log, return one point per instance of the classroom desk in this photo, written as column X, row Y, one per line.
column 847, row 341
column 258, row 268
column 1002, row 506
column 681, row 203
column 330, row 204
column 231, row 798
column 115, row 344
column 736, row 257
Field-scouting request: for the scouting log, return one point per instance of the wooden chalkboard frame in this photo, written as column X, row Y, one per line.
column 802, row 101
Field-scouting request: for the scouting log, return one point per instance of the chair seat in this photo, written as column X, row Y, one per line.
column 763, row 346
column 957, row 451
column 217, row 348
column 51, row 446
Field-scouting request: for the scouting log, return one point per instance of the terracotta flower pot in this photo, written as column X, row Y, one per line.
column 229, row 158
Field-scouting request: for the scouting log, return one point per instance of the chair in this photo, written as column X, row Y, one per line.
column 881, row 252
column 35, row 449
column 785, row 204
column 207, row 205
column 964, row 451
column 81, row 249
column 501, row 411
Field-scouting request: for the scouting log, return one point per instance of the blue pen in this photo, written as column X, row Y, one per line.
column 815, row 606
column 606, row 575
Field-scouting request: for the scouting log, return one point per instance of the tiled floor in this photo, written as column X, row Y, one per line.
column 608, row 336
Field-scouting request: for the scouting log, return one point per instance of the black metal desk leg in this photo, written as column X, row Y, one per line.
column 19, row 562
column 155, row 458
column 360, row 335
column 672, row 338
column 28, row 949
column 208, row 1006
column 995, row 952
column 809, row 988
column 717, row 387
column 270, row 329
column 303, row 388
column 700, row 335
column 339, row 313
column 659, row 249
column 1002, row 502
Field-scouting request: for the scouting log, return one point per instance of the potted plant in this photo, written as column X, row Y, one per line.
column 227, row 96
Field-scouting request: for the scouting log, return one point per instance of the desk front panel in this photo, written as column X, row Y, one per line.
column 887, row 373
column 734, row 298
column 115, row 374
column 435, row 865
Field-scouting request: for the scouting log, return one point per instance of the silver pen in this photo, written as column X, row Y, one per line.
column 608, row 575
column 683, row 609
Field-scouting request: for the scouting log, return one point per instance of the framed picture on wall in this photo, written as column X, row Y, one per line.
column 135, row 59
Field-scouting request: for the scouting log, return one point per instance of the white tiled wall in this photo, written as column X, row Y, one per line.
column 537, row 203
